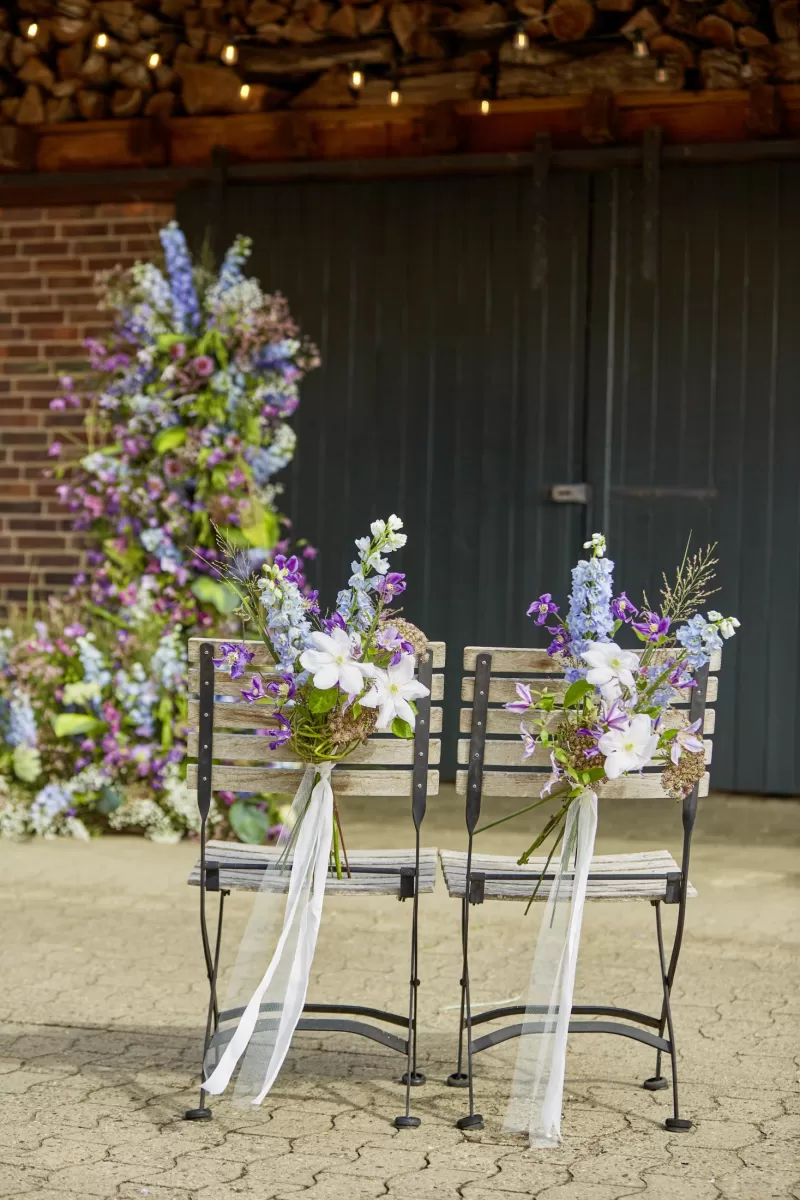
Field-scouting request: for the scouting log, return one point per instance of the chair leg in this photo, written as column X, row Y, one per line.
column 657, row 1082
column 412, row 1077
column 472, row 1120
column 675, row 1124
column 459, row 1078
column 203, row 1112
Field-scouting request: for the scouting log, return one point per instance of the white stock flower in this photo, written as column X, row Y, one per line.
column 331, row 662
column 628, row 749
column 726, row 625
column 392, row 690
column 610, row 665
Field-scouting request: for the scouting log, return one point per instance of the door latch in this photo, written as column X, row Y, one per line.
column 570, row 493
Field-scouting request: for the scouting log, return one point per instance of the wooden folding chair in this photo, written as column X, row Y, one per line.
column 230, row 756
column 493, row 757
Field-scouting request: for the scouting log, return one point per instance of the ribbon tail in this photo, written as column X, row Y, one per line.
column 280, row 995
column 538, row 1087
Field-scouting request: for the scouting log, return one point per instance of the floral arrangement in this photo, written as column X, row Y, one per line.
column 186, row 421
column 340, row 676
column 617, row 715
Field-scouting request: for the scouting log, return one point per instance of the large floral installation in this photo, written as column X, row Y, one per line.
column 186, row 423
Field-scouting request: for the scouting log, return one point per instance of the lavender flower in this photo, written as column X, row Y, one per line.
column 185, row 307
column 235, row 657
column 391, row 585
column 686, row 740
column 528, row 741
column 257, row 690
column 281, row 734
column 623, row 609
column 525, row 701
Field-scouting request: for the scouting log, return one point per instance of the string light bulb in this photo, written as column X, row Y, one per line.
column 32, row 30
column 640, row 47
column 101, row 41
column 244, row 91
column 746, row 69
column 661, row 74
column 485, row 107
column 521, row 39
column 153, row 61
column 394, row 96
column 356, row 78
column 230, row 54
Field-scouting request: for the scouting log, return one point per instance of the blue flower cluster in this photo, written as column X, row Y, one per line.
column 185, row 306
column 49, row 803
column 590, row 617
column 700, row 640
column 287, row 616
column 19, row 722
column 235, row 257
column 92, row 661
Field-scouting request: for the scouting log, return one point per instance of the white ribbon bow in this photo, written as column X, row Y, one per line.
column 281, row 994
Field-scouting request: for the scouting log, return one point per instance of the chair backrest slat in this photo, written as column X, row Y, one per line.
column 381, row 767
column 505, row 772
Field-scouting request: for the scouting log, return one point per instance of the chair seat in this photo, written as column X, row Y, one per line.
column 381, row 883
column 647, row 862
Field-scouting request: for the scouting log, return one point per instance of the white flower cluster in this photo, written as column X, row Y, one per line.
column 169, row 661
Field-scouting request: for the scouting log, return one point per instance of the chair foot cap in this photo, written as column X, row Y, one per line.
column 677, row 1125
column 655, row 1084
column 457, row 1079
column 197, row 1114
column 415, row 1079
column 473, row 1121
column 407, row 1122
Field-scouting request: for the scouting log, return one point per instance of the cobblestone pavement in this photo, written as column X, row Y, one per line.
column 103, row 1001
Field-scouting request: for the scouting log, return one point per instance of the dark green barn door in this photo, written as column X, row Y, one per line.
column 695, row 425
column 451, row 390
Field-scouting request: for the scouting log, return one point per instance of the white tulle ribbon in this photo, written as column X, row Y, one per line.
column 270, row 1017
column 538, row 1087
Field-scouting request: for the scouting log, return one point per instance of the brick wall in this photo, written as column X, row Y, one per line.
column 48, row 258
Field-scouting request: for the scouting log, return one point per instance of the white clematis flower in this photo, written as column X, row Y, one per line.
column 610, row 666
column 628, row 749
column 391, row 691
column 331, row 662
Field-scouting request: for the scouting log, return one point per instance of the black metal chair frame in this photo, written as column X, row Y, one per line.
column 409, row 890
column 676, row 892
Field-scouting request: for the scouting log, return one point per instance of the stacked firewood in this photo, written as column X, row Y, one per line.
column 67, row 60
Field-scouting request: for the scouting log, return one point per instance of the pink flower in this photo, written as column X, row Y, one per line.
column 178, row 350
column 54, row 450
column 204, row 365
column 58, row 404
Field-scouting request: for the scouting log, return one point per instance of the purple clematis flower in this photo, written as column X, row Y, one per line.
column 652, row 626
column 528, row 741
column 560, row 642
column 280, row 736
column 678, row 680
column 393, row 584
column 541, row 608
column 290, row 565
column 335, row 622
column 285, row 690
column 257, row 690
column 525, row 700
column 616, row 717
column 389, row 639
column 686, row 739
column 239, row 655
column 623, row 609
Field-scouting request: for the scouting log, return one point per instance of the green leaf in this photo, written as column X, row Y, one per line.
column 402, row 729
column 668, row 735
column 595, row 773
column 250, row 824
column 261, row 528
column 576, row 691
column 213, row 591
column 545, row 702
column 322, row 701
column 234, row 535
column 70, row 724
column 561, row 755
column 169, row 439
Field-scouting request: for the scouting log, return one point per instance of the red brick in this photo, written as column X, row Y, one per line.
column 31, row 229
column 14, row 266
column 18, row 420
column 64, row 212
column 61, row 265
column 84, row 228
column 56, row 333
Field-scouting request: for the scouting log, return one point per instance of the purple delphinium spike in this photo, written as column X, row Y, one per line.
column 541, row 608
column 525, row 700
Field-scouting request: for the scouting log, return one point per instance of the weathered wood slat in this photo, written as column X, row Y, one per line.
column 225, row 686
column 454, row 866
column 523, row 661
column 509, row 754
column 263, row 658
column 227, row 854
column 379, row 751
column 499, row 722
column 346, row 782
column 242, row 715
column 529, row 785
column 503, row 690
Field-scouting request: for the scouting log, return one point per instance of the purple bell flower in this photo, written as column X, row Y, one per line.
column 652, row 626
column 541, row 608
